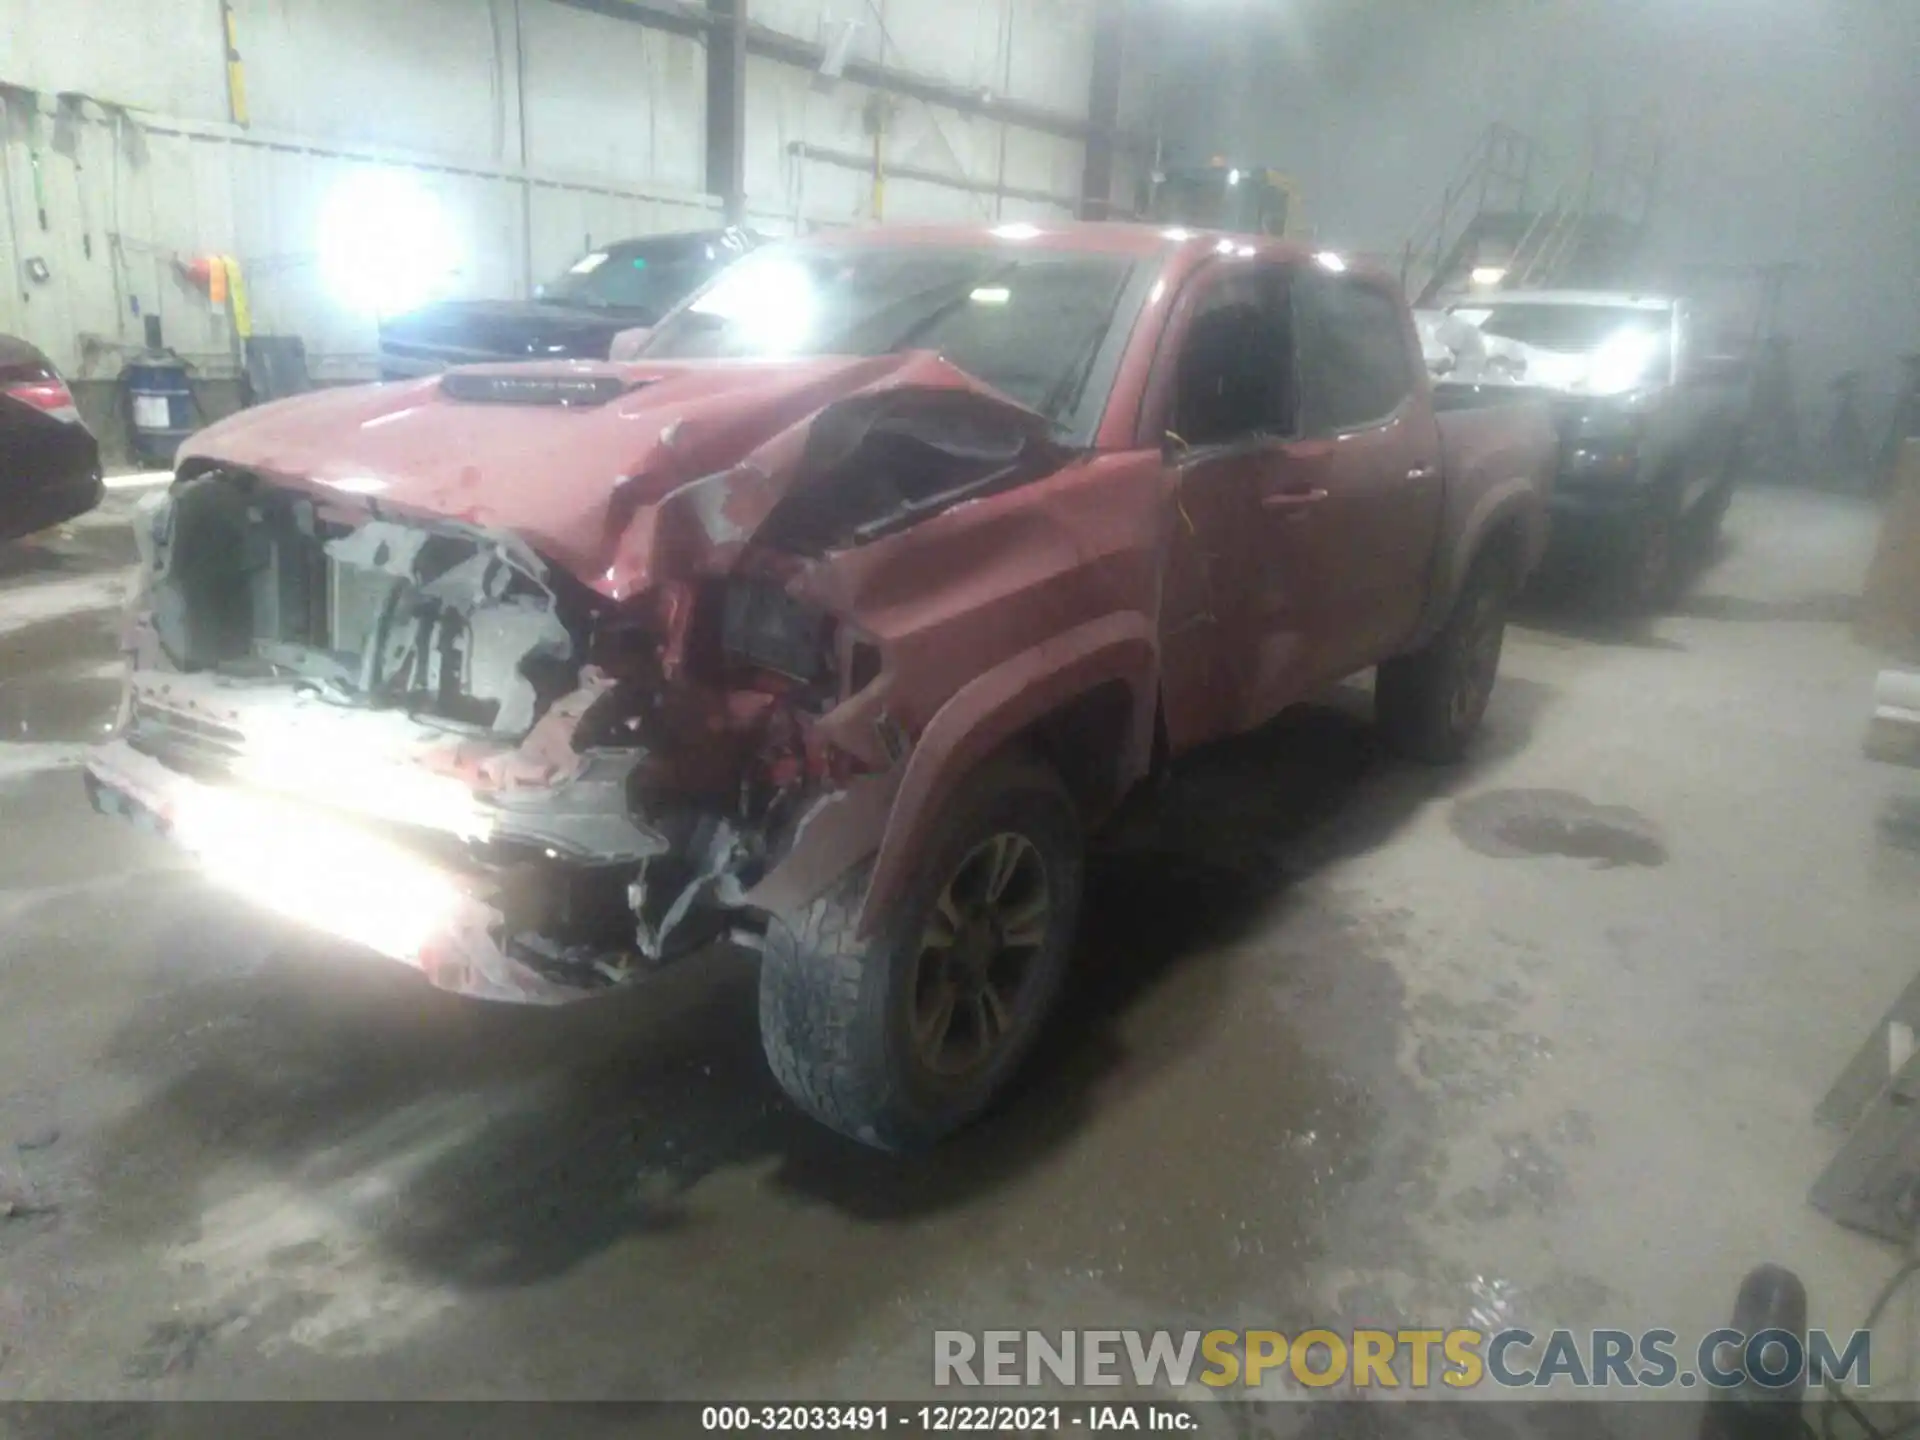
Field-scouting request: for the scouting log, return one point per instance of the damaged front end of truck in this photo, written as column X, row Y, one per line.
column 538, row 680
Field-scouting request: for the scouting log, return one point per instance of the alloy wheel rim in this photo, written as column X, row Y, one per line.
column 977, row 954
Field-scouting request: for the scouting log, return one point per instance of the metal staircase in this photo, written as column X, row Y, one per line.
column 1489, row 195
column 1588, row 231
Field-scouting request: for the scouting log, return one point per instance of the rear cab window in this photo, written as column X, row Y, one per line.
column 1357, row 366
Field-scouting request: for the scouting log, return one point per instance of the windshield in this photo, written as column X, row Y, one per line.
column 1569, row 329
column 1027, row 324
column 625, row 279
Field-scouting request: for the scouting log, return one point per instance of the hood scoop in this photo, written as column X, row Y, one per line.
column 496, row 387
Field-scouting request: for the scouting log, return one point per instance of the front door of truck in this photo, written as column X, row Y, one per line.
column 1369, row 444
column 1231, row 611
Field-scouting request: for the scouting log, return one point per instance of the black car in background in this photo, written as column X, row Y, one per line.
column 49, row 461
column 632, row 283
column 1650, row 423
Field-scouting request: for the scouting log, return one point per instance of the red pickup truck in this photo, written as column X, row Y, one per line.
column 834, row 620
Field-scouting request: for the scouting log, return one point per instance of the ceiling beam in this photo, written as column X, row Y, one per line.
column 727, row 107
column 1109, row 57
column 681, row 18
column 850, row 160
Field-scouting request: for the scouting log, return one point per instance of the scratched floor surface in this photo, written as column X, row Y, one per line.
column 1535, row 1040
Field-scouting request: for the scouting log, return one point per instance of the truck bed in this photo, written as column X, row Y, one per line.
column 1494, row 439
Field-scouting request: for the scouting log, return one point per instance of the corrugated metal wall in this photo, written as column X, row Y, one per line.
column 538, row 126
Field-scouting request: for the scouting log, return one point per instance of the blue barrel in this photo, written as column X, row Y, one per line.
column 160, row 407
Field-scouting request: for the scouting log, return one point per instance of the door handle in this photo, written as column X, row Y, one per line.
column 1419, row 474
column 1292, row 499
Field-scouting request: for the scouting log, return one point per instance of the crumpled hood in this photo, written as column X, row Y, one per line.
column 606, row 491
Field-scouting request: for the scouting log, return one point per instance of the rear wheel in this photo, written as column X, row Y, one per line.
column 1646, row 571
column 1430, row 703
column 1713, row 507
column 901, row 1038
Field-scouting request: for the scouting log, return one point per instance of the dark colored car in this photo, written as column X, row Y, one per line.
column 1649, row 421
column 575, row 317
column 49, row 461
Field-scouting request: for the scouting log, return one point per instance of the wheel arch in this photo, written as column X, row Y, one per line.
column 1508, row 519
column 1085, row 701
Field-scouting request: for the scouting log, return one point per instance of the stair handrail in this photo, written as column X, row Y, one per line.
column 1500, row 154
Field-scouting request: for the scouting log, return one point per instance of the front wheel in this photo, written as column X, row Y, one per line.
column 902, row 1038
column 1430, row 703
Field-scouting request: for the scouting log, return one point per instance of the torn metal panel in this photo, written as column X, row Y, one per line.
column 570, row 482
column 715, row 880
column 438, row 620
column 380, row 546
column 587, row 817
column 837, row 831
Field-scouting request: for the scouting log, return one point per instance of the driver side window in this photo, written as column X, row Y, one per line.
column 1235, row 379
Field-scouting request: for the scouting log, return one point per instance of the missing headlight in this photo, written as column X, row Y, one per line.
column 763, row 627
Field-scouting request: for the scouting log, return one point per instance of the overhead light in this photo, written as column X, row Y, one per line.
column 1233, row 177
column 1020, row 231
column 1178, row 234
column 991, row 295
column 1327, row 260
column 385, row 243
column 1225, row 247
column 1488, row 276
column 771, row 301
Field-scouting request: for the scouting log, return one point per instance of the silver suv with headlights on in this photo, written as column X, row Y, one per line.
column 1649, row 424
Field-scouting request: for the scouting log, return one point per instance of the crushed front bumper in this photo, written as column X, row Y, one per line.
column 336, row 877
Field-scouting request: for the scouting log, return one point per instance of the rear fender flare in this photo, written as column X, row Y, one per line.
column 1513, row 503
column 991, row 710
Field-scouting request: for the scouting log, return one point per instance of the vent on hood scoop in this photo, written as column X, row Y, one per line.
column 566, row 390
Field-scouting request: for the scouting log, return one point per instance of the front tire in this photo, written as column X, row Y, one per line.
column 1429, row 704
column 902, row 1038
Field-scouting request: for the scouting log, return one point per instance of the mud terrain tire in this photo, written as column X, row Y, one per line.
column 845, row 1022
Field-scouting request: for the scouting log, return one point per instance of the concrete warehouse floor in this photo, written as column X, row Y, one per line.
column 1534, row 1041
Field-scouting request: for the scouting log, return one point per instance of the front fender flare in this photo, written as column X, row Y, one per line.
column 988, row 712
